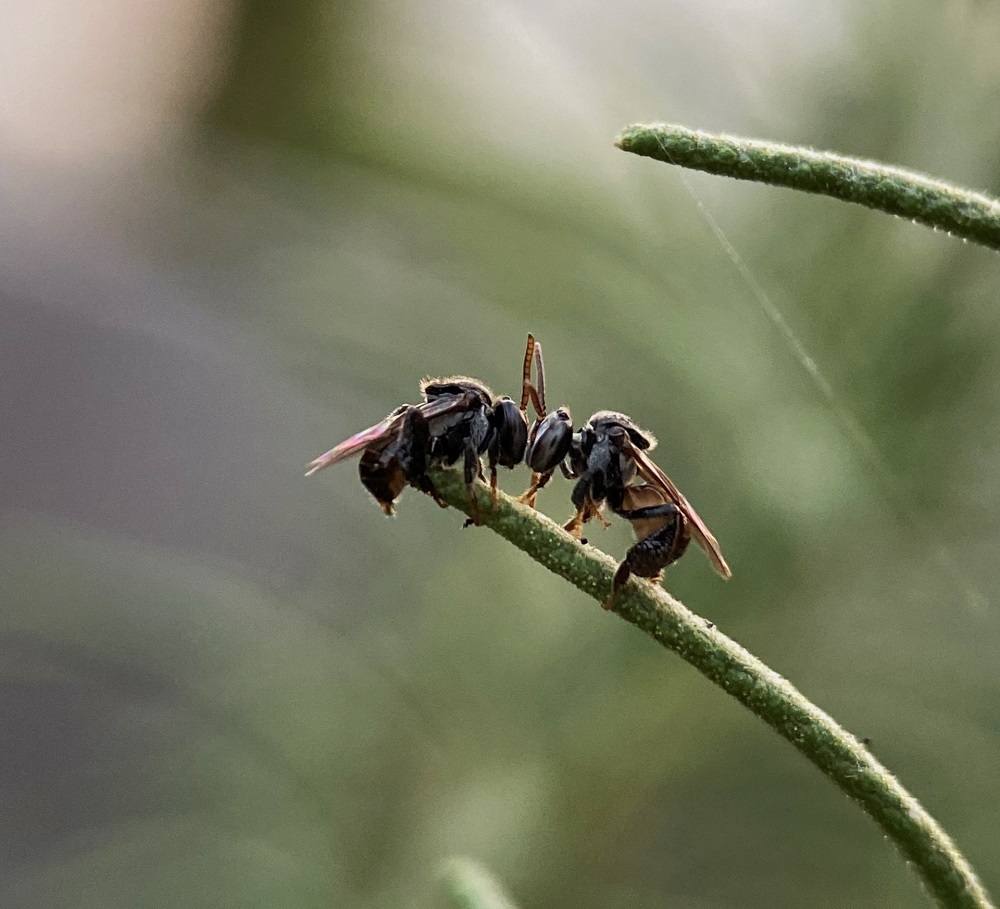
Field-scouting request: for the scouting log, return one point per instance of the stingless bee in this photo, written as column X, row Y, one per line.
column 459, row 419
column 608, row 453
column 606, row 457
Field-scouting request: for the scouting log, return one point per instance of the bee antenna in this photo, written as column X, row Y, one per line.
column 529, row 351
column 540, row 378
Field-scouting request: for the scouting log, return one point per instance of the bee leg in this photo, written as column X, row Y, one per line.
column 472, row 468
column 593, row 510
column 583, row 501
column 475, row 517
column 574, row 525
column 622, row 574
column 585, row 512
column 528, row 496
column 491, row 460
column 653, row 553
column 425, row 485
column 538, row 481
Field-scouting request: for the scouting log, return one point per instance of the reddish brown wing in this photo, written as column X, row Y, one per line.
column 355, row 444
column 651, row 473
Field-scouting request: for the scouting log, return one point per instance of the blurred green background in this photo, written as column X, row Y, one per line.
column 235, row 233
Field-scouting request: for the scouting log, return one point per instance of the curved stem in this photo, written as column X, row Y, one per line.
column 841, row 757
column 934, row 203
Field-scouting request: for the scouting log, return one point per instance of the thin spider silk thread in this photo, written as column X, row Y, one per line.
column 859, row 439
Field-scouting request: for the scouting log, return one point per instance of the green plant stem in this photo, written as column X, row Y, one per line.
column 841, row 757
column 468, row 885
column 934, row 203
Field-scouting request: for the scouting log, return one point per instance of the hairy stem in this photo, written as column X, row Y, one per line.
column 934, row 203
column 846, row 761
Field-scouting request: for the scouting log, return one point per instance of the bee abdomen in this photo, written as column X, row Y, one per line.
column 651, row 555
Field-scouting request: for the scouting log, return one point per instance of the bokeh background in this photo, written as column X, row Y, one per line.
column 233, row 233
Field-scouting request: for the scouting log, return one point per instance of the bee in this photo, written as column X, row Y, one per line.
column 608, row 454
column 460, row 419
column 607, row 457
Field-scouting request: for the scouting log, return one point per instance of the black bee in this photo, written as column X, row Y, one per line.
column 459, row 419
column 608, row 453
column 606, row 456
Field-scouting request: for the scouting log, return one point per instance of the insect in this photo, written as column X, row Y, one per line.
column 608, row 459
column 459, row 419
column 608, row 453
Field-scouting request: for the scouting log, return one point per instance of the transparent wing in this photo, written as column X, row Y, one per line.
column 651, row 473
column 445, row 404
column 356, row 443
column 437, row 407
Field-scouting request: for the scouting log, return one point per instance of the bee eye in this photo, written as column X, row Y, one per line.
column 512, row 432
column 549, row 442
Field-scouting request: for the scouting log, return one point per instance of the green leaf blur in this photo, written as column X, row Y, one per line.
column 225, row 685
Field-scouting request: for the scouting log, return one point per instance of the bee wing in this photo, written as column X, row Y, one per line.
column 445, row 404
column 355, row 444
column 436, row 407
column 651, row 473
